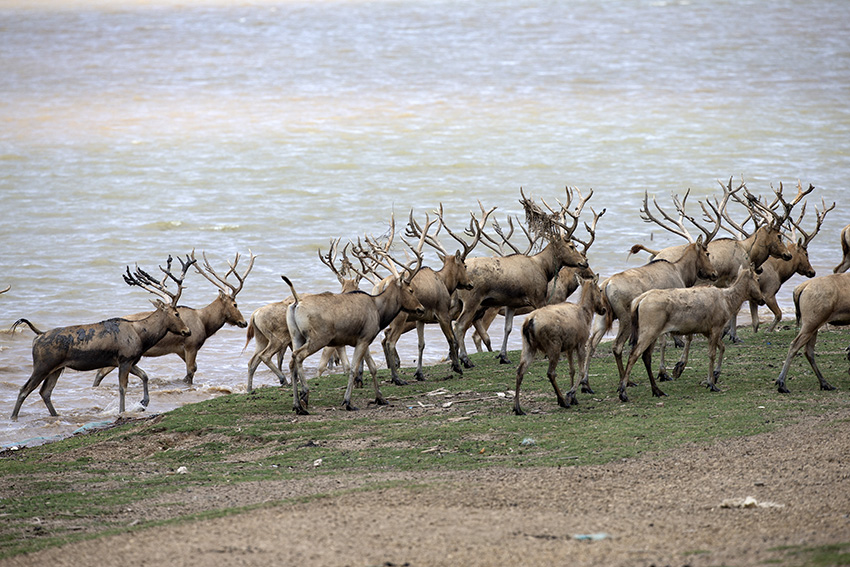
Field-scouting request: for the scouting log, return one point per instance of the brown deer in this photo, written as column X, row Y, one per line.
column 353, row 319
column 622, row 288
column 433, row 289
column 821, row 300
column 268, row 323
column 776, row 271
column 114, row 342
column 696, row 310
column 728, row 255
column 203, row 322
column 845, row 249
column 556, row 329
column 519, row 280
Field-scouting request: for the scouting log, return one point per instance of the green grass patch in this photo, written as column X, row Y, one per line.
column 74, row 488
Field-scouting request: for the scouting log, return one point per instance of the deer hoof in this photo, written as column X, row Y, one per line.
column 358, row 382
column 623, row 397
column 503, row 359
column 678, row 369
column 396, row 381
column 381, row 402
column 664, row 377
column 300, row 410
column 827, row 386
column 585, row 389
column 518, row 410
column 712, row 388
column 658, row 393
column 349, row 407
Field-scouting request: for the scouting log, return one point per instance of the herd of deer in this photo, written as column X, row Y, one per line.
column 696, row 288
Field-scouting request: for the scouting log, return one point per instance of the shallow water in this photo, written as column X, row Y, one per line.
column 134, row 130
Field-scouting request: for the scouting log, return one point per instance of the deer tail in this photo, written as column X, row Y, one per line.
column 292, row 288
column 23, row 321
column 249, row 333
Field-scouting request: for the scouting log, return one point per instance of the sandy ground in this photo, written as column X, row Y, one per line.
column 666, row 510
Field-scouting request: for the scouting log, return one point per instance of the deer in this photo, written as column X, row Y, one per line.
column 775, row 271
column 353, row 319
column 113, row 342
column 203, row 322
column 520, row 280
column 845, row 249
column 688, row 311
column 620, row 289
column 728, row 255
column 434, row 289
column 268, row 327
column 821, row 300
column 556, row 329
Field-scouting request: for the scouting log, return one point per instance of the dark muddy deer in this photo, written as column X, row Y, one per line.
column 114, row 342
column 776, row 271
column 347, row 319
column 816, row 302
column 434, row 289
column 696, row 310
column 845, row 249
column 556, row 329
column 203, row 322
column 520, row 280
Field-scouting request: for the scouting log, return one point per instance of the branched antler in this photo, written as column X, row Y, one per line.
column 147, row 282
column 221, row 282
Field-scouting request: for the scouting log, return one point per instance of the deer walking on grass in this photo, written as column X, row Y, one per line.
column 556, row 329
column 687, row 311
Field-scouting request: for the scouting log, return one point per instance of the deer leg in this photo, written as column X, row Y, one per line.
column 420, row 342
column 721, row 350
column 462, row 325
column 597, row 332
column 301, row 349
column 777, row 312
column 810, row 356
column 136, row 371
column 481, row 336
column 526, row 359
column 509, row 322
column 47, row 389
column 732, row 329
column 803, row 337
column 683, row 361
column 646, row 355
column 360, row 351
column 552, row 375
column 101, row 374
column 373, row 370
column 581, row 356
column 34, row 380
column 662, row 367
column 712, row 354
column 754, row 315
column 123, row 380
column 190, row 356
column 391, row 337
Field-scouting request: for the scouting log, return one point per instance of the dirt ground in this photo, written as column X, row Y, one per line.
column 666, row 510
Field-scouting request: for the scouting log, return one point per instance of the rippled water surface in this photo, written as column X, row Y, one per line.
column 131, row 130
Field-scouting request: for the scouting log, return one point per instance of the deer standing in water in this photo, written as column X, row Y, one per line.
column 114, row 342
column 203, row 322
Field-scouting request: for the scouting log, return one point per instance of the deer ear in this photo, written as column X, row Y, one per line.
column 596, row 278
column 699, row 239
column 157, row 303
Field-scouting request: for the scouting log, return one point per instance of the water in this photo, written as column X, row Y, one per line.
column 131, row 130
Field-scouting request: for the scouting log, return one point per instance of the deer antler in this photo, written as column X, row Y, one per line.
column 329, row 260
column 819, row 218
column 591, row 230
column 147, row 282
column 475, row 229
column 414, row 230
column 221, row 282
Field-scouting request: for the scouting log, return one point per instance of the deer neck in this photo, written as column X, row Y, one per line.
column 586, row 302
column 687, row 266
column 736, row 293
column 755, row 247
column 547, row 262
column 151, row 329
column 388, row 303
column 212, row 316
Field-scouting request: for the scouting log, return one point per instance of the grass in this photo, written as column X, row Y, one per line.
column 79, row 487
